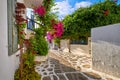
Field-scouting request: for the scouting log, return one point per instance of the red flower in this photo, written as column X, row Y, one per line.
column 106, row 12
column 58, row 29
column 33, row 52
column 19, row 19
column 21, row 32
column 26, row 41
column 20, row 5
column 40, row 11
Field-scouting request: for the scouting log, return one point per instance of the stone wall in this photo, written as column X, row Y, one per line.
column 106, row 49
column 64, row 45
column 75, row 47
column 80, row 48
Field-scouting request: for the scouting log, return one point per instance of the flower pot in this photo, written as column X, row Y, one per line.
column 33, row 3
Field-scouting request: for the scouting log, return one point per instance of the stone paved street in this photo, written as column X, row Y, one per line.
column 65, row 66
column 52, row 69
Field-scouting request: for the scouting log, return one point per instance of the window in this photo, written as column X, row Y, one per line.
column 31, row 23
column 30, row 15
column 12, row 29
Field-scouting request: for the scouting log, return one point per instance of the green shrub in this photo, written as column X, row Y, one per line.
column 28, row 59
column 28, row 72
column 33, row 43
column 57, row 41
column 42, row 46
column 39, row 43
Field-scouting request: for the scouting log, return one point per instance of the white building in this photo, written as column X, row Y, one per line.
column 9, row 59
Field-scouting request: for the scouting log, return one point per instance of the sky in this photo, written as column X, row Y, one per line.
column 66, row 7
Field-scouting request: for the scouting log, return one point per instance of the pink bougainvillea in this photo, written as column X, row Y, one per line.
column 40, row 11
column 56, row 32
column 58, row 29
column 49, row 36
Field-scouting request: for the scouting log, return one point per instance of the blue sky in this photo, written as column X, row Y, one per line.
column 73, row 2
column 68, row 6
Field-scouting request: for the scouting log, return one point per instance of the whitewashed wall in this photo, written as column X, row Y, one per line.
column 106, row 49
column 8, row 64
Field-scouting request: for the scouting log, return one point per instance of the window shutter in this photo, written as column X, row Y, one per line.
column 15, row 31
column 12, row 29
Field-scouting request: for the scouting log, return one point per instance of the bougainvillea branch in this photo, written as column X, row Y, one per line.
column 20, row 9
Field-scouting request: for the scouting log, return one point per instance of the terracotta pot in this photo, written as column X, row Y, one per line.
column 33, row 3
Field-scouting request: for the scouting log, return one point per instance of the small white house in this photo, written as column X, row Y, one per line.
column 9, row 53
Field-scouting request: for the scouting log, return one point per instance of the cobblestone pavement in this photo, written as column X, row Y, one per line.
column 66, row 66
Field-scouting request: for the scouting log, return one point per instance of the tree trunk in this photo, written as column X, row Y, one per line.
column 21, row 58
column 69, row 45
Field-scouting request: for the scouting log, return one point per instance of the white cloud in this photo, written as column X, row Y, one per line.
column 82, row 4
column 65, row 8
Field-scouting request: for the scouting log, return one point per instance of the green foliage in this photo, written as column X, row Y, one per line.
column 39, row 45
column 29, row 59
column 57, row 41
column 39, row 32
column 48, row 4
column 42, row 46
column 83, row 19
column 28, row 72
column 33, row 43
column 39, row 42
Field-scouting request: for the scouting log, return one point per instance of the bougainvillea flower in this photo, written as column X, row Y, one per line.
column 26, row 41
column 21, row 32
column 55, row 26
column 49, row 36
column 20, row 5
column 60, row 24
column 58, row 27
column 106, row 12
column 40, row 11
column 33, row 52
column 57, row 30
